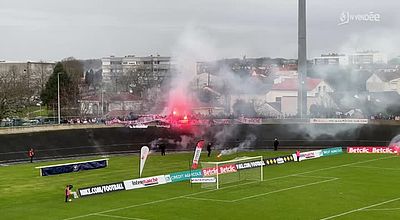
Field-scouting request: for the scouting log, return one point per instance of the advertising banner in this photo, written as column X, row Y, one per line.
column 197, row 153
column 144, row 151
column 203, row 180
column 185, row 175
column 331, row 151
column 72, row 167
column 101, row 189
column 249, row 165
column 338, row 121
column 212, row 171
column 144, row 182
column 310, row 155
column 372, row 150
column 279, row 160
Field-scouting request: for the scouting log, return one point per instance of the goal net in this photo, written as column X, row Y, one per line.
column 231, row 171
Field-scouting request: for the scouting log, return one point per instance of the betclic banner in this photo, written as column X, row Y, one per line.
column 372, row 150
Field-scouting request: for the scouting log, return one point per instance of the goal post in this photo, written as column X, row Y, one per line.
column 235, row 170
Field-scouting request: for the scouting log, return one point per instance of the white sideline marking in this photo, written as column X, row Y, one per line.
column 320, row 177
column 386, row 209
column 360, row 209
column 190, row 194
column 285, row 189
column 381, row 168
column 205, row 199
column 120, row 217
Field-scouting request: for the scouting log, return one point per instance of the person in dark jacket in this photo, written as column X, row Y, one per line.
column 276, row 144
column 162, row 148
column 209, row 145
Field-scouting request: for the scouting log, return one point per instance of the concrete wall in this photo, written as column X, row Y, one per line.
column 106, row 140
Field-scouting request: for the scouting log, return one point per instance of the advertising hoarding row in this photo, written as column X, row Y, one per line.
column 101, row 189
column 212, row 171
column 338, row 121
column 279, row 160
column 372, row 150
column 145, row 182
column 185, row 175
column 204, row 175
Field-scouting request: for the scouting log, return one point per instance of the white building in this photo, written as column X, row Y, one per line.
column 332, row 59
column 285, row 94
column 384, row 82
column 367, row 58
column 148, row 71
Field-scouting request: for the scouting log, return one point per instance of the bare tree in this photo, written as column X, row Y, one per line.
column 14, row 95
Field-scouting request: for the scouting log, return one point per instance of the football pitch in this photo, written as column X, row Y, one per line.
column 345, row 186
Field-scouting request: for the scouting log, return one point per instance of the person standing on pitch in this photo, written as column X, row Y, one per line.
column 209, row 149
column 31, row 154
column 67, row 193
column 298, row 155
column 162, row 148
column 276, row 144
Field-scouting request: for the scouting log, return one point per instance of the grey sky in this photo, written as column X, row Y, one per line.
column 53, row 29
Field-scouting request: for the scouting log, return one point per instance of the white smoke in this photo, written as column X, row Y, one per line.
column 395, row 141
column 243, row 146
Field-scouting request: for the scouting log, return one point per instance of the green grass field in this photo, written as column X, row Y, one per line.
column 346, row 186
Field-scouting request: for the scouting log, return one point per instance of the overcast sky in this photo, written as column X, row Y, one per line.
column 53, row 29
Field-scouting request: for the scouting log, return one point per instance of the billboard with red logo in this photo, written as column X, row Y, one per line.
column 212, row 171
column 372, row 150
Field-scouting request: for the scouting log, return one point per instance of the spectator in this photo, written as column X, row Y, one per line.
column 68, row 193
column 162, row 148
column 31, row 154
column 276, row 144
column 209, row 149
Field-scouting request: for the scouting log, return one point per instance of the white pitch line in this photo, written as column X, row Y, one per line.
column 317, row 177
column 385, row 209
column 285, row 189
column 205, row 199
column 190, row 194
column 360, row 209
column 120, row 217
column 380, row 168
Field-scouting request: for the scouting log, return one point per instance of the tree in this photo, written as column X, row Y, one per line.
column 49, row 94
column 14, row 95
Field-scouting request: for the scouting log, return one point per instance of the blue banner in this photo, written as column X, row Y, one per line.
column 72, row 167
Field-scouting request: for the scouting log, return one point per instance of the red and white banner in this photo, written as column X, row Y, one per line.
column 372, row 150
column 144, row 182
column 310, row 155
column 143, row 156
column 197, row 153
column 212, row 171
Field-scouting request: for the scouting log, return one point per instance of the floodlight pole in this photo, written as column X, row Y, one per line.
column 58, row 98
column 302, row 60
